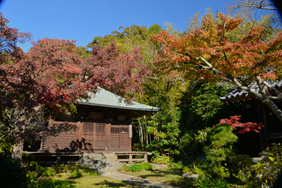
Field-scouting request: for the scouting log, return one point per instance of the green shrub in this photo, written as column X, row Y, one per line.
column 186, row 169
column 218, row 148
column 49, row 171
column 241, row 169
column 147, row 166
column 190, row 168
column 163, row 159
column 6, row 142
column 33, row 166
column 270, row 166
column 74, row 168
column 221, row 162
column 27, row 159
column 126, row 167
column 31, row 176
column 48, row 183
column 178, row 165
column 35, row 170
column 62, row 168
column 76, row 173
column 215, row 183
column 90, row 172
column 137, row 167
column 11, row 174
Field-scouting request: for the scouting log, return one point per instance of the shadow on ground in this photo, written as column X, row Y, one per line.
column 162, row 173
column 170, row 177
column 112, row 184
column 44, row 183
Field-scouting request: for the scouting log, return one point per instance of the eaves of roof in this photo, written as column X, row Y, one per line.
column 238, row 94
column 104, row 98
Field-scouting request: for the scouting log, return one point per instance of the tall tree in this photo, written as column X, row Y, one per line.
column 207, row 53
column 54, row 74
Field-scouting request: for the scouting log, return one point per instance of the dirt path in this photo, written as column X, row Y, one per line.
column 136, row 180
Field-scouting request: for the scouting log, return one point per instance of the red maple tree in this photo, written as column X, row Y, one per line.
column 53, row 74
column 244, row 127
column 207, row 53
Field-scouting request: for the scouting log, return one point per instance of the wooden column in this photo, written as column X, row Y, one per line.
column 130, row 134
column 263, row 131
column 145, row 158
column 108, row 138
column 130, row 158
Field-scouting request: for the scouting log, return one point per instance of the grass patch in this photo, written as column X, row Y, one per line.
column 93, row 182
column 169, row 176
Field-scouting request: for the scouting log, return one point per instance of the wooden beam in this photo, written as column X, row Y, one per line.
column 274, row 135
column 128, row 160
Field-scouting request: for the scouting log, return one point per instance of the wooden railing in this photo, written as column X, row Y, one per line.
column 132, row 156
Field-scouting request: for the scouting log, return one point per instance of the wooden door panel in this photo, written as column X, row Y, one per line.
column 124, row 137
column 120, row 137
column 87, row 138
column 114, row 141
column 100, row 136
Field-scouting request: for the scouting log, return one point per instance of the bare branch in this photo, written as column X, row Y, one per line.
column 260, row 85
column 278, row 93
column 254, row 4
column 208, row 65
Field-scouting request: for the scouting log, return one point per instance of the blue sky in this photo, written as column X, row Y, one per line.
column 85, row 19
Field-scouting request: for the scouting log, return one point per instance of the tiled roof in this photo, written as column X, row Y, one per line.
column 104, row 98
column 238, row 94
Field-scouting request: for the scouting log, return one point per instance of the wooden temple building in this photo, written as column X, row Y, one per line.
column 103, row 125
column 272, row 130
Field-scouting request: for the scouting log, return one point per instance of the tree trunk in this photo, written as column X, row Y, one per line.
column 18, row 150
column 273, row 107
column 141, row 134
column 18, row 146
column 146, row 133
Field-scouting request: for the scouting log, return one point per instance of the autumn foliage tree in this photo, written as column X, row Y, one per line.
column 53, row 75
column 244, row 127
column 207, row 53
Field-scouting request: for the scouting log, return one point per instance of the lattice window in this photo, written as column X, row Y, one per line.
column 44, row 143
column 100, row 128
column 114, row 129
column 123, row 130
column 88, row 127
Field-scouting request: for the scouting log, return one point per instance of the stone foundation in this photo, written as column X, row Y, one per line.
column 101, row 162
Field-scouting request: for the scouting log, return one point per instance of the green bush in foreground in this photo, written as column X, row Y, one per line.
column 76, row 173
column 49, row 183
column 138, row 167
column 36, row 171
column 49, row 171
column 270, row 166
column 11, row 174
column 161, row 159
column 178, row 165
column 213, row 183
column 147, row 166
column 222, row 167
